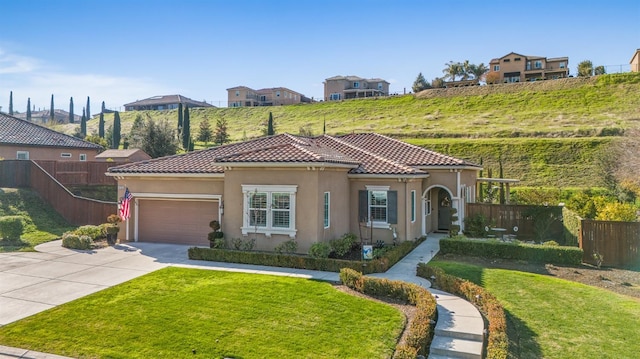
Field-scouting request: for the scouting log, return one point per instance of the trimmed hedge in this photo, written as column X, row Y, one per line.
column 571, row 221
column 74, row 241
column 11, row 227
column 420, row 331
column 498, row 341
column 517, row 251
column 304, row 262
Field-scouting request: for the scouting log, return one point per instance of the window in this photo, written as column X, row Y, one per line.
column 562, row 65
column 277, row 93
column 517, row 59
column 237, row 93
column 334, row 97
column 496, row 67
column 327, row 209
column 506, row 60
column 356, row 85
column 379, row 85
column 83, row 157
column 65, row 155
column 413, row 206
column 378, row 206
column 528, row 65
column 269, row 210
column 22, row 155
column 538, row 64
column 236, row 104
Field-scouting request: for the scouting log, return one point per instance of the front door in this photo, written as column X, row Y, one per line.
column 444, row 210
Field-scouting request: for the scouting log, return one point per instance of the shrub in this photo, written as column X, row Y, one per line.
column 319, row 250
column 219, row 243
column 343, row 245
column 517, row 251
column 550, row 243
column 240, row 244
column 474, row 226
column 74, row 241
column 420, row 330
column 497, row 341
column 290, row 247
column 11, row 227
column 95, row 232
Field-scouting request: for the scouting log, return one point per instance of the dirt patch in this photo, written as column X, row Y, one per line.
column 621, row 281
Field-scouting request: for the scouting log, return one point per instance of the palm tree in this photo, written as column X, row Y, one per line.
column 452, row 70
column 478, row 71
column 466, row 69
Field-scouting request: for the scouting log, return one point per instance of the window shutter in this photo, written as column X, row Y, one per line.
column 392, row 207
column 363, row 206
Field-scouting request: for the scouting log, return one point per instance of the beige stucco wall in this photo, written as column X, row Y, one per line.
column 335, row 182
column 9, row 152
column 635, row 62
column 244, row 94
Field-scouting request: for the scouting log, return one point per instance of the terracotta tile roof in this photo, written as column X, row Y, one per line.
column 366, row 153
column 15, row 131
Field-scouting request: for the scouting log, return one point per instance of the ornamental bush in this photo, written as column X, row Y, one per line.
column 95, row 232
column 74, row 241
column 289, row 247
column 341, row 246
column 11, row 227
column 320, row 250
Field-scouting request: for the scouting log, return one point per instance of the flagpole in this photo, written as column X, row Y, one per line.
column 127, row 229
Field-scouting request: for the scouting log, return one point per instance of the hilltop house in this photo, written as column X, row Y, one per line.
column 242, row 96
column 60, row 116
column 309, row 189
column 167, row 102
column 635, row 61
column 347, row 87
column 514, row 67
column 24, row 140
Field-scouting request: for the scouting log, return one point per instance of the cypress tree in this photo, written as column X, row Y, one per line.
column 51, row 113
column 101, row 126
column 11, row 103
column 88, row 109
column 502, row 194
column 83, row 124
column 270, row 130
column 180, row 119
column 186, row 130
column 71, row 117
column 29, row 109
column 102, row 109
column 116, row 131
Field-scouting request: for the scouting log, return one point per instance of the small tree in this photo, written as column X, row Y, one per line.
column 585, row 68
column 437, row 83
column 101, row 124
column 206, row 134
column 599, row 70
column 492, row 78
column 180, row 119
column 158, row 139
column 186, row 129
column 116, row 131
column 11, row 103
column 83, row 124
column 93, row 138
column 454, row 228
column 137, row 132
column 420, row 84
column 88, row 114
column 270, row 129
column 221, row 136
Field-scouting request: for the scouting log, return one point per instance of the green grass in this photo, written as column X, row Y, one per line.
column 43, row 223
column 555, row 318
column 168, row 313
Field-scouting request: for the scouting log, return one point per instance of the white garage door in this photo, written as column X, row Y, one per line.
column 175, row 221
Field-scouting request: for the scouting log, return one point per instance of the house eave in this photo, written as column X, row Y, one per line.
column 285, row 164
column 122, row 175
column 387, row 176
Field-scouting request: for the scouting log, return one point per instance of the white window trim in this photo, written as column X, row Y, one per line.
column 413, row 206
column 66, row 155
column 83, row 157
column 269, row 230
column 326, row 208
column 377, row 224
column 23, row 153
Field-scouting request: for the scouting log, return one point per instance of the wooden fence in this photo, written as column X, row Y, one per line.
column 533, row 222
column 76, row 210
column 616, row 242
column 74, row 173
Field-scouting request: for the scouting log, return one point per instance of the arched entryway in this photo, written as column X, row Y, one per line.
column 436, row 209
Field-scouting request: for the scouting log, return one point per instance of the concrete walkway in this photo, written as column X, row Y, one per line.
column 33, row 282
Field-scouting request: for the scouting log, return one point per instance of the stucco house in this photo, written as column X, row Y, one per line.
column 24, row 140
column 290, row 187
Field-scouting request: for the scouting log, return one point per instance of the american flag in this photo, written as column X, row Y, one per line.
column 125, row 213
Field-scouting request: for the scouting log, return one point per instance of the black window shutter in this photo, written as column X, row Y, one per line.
column 363, row 206
column 392, row 207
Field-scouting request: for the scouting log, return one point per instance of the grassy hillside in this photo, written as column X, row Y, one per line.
column 548, row 133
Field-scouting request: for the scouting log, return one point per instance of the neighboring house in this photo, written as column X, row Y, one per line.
column 60, row 116
column 24, row 140
column 242, row 96
column 347, row 87
column 515, row 67
column 123, row 156
column 168, row 102
column 286, row 187
column 635, row 62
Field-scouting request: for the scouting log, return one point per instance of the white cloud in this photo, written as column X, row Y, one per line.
column 13, row 64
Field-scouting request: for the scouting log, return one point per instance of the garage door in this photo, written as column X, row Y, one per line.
column 175, row 221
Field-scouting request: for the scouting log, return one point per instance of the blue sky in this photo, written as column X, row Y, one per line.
column 121, row 51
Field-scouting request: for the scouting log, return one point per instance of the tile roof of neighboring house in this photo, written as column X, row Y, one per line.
column 15, row 131
column 112, row 153
column 354, row 78
column 167, row 99
column 366, row 153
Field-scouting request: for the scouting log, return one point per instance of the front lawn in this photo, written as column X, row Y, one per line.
column 555, row 318
column 171, row 312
